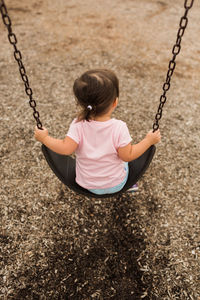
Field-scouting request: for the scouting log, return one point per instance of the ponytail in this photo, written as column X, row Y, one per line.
column 87, row 113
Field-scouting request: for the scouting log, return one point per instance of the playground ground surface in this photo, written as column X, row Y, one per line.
column 56, row 244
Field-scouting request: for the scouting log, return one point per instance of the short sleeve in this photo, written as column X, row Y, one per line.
column 73, row 131
column 124, row 137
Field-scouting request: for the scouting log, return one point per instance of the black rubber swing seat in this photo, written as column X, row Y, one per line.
column 64, row 168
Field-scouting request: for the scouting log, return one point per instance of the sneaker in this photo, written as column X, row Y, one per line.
column 134, row 188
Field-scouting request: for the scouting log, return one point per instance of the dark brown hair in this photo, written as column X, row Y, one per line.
column 95, row 90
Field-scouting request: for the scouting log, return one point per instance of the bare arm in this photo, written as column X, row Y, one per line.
column 131, row 152
column 66, row 146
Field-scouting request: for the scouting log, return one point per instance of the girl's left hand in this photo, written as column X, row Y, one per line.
column 40, row 135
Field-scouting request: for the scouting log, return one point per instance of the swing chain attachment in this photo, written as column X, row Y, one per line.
column 172, row 64
column 18, row 57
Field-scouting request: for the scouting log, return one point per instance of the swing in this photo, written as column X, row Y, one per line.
column 64, row 166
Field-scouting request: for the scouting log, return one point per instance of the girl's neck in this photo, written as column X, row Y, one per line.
column 102, row 118
column 106, row 116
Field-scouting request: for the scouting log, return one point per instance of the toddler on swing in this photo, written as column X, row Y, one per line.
column 102, row 144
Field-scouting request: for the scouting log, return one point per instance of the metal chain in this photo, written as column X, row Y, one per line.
column 172, row 64
column 18, row 57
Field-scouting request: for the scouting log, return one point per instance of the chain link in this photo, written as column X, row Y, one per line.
column 172, row 64
column 18, row 57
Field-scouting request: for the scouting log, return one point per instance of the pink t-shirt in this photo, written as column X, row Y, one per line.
column 98, row 165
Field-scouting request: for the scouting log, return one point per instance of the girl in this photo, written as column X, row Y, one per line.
column 102, row 144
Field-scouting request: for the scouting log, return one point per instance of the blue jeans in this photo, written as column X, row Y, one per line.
column 114, row 189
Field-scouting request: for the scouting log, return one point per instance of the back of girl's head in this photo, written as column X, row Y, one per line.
column 95, row 91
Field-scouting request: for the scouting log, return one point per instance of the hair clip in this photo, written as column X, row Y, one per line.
column 89, row 107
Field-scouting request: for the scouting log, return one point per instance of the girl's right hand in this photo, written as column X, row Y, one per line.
column 154, row 137
column 40, row 135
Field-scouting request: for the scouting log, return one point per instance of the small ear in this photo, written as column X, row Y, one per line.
column 115, row 103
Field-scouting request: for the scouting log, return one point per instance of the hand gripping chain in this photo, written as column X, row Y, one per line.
column 172, row 64
column 18, row 57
